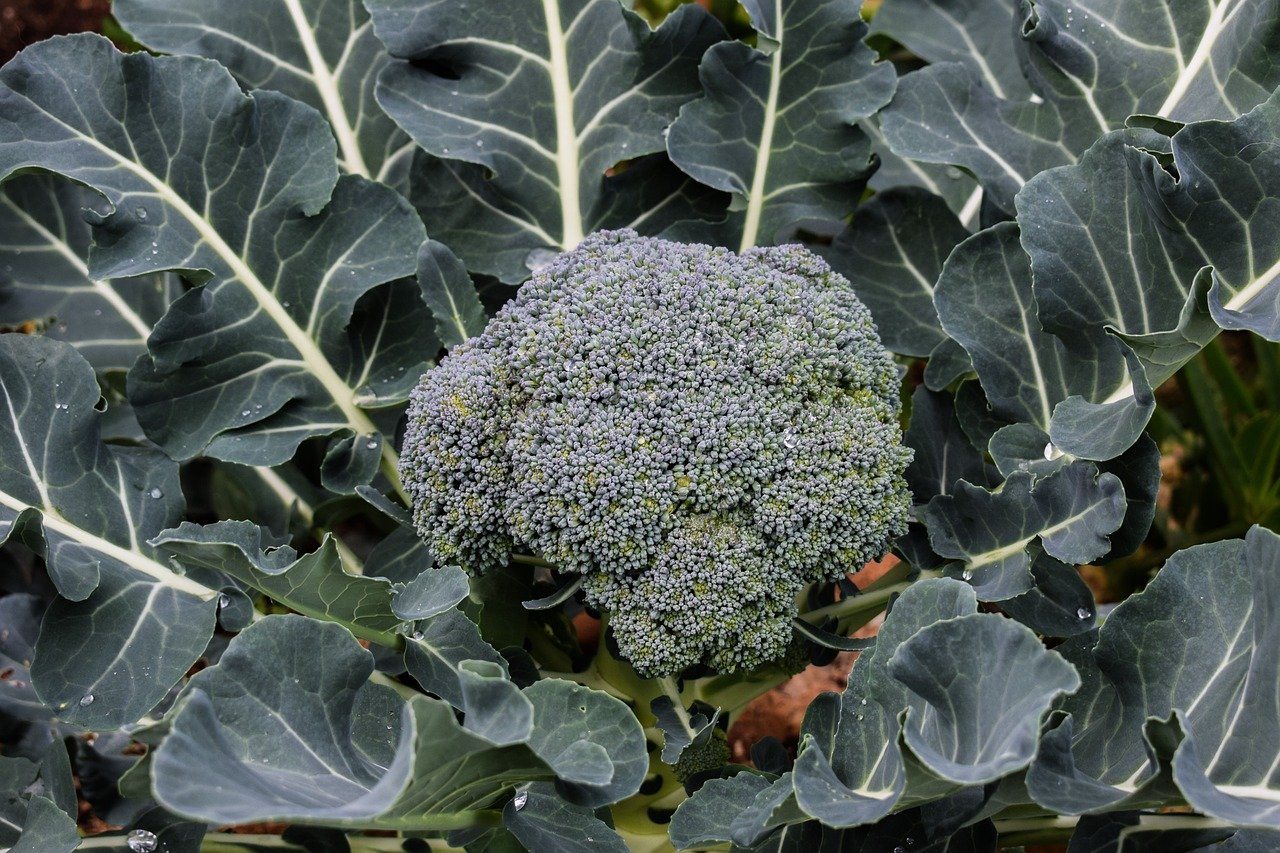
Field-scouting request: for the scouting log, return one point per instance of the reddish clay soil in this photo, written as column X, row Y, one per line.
column 780, row 711
column 24, row 22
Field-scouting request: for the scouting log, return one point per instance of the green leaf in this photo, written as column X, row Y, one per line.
column 943, row 453
column 1196, row 644
column 260, row 357
column 975, row 33
column 1070, row 512
column 437, row 648
column 985, row 301
column 892, row 253
column 850, row 770
column 706, row 817
column 46, row 829
column 543, row 102
column 46, row 281
column 1058, row 605
column 125, row 627
column 542, row 820
column 680, row 729
column 20, row 614
column 943, row 114
column 450, row 294
column 1118, row 246
column 433, row 591
column 777, row 125
column 1184, row 61
column 986, row 725
column 315, row 584
column 321, row 52
column 286, row 727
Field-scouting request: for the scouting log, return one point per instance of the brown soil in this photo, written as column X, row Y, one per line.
column 780, row 711
column 24, row 22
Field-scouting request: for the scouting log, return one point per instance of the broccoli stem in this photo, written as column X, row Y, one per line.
column 672, row 692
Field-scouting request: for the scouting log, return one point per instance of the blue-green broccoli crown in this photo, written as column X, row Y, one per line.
column 698, row 433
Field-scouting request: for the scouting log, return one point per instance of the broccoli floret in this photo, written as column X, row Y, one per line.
column 696, row 758
column 698, row 433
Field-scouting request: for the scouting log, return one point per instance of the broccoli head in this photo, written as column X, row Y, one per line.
column 698, row 433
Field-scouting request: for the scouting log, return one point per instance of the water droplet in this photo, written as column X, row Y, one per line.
column 864, row 701
column 244, row 413
column 445, row 150
column 1051, row 452
column 1084, row 613
column 954, row 174
column 86, row 700
column 417, row 635
column 899, row 849
column 789, row 439
column 859, row 718
column 141, row 213
column 520, row 800
column 968, row 574
column 156, row 494
column 372, row 444
column 142, row 841
column 223, row 601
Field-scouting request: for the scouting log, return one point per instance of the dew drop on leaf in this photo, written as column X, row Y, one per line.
column 156, row 494
column 789, row 439
column 142, row 841
column 520, row 800
column 86, row 700
column 141, row 213
column 372, row 444
column 968, row 574
column 1084, row 613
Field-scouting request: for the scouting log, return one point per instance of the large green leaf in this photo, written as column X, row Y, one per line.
column 1117, row 247
column 322, row 52
column 45, row 276
column 971, row 688
column 126, row 627
column 315, row 584
column 542, row 98
column 985, row 301
column 892, row 252
column 1070, row 512
column 976, row 33
column 1090, row 66
column 1211, row 666
column 287, row 727
column 240, row 191
column 777, row 125
column 940, row 729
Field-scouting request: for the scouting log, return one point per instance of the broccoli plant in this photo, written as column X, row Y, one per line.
column 429, row 424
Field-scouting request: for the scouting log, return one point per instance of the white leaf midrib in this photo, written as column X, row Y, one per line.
column 133, row 559
column 327, row 88
column 1213, row 29
column 755, row 199
column 567, row 154
column 316, row 362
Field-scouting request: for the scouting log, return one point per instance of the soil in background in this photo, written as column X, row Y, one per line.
column 25, row 22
